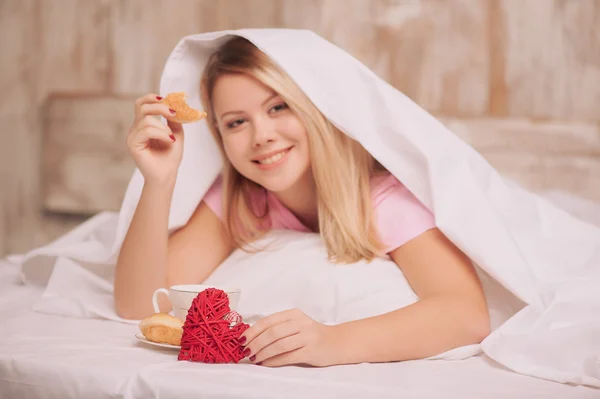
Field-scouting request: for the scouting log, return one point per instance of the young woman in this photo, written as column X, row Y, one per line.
column 287, row 167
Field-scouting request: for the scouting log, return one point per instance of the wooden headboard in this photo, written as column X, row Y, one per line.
column 86, row 166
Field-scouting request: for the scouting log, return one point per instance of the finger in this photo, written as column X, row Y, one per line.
column 156, row 110
column 151, row 121
column 150, row 132
column 176, row 128
column 263, row 324
column 287, row 344
column 151, row 98
column 146, row 122
column 172, row 128
column 284, row 359
column 272, row 335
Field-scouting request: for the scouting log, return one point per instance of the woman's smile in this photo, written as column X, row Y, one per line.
column 272, row 161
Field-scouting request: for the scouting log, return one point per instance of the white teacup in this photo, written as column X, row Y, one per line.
column 181, row 297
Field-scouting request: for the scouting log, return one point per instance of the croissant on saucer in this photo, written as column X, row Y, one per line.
column 162, row 328
column 183, row 112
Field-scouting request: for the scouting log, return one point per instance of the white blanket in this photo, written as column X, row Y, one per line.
column 544, row 264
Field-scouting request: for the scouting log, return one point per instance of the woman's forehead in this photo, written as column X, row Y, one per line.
column 236, row 92
column 232, row 87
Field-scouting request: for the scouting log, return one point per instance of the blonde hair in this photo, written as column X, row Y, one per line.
column 344, row 196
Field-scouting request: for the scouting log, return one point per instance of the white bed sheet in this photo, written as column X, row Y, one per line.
column 48, row 356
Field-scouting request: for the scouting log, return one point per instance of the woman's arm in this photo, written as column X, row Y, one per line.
column 150, row 259
column 142, row 263
column 451, row 310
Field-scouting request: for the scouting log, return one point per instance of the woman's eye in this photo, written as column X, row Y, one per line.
column 279, row 107
column 235, row 123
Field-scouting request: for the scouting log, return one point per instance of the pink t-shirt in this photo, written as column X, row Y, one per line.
column 400, row 216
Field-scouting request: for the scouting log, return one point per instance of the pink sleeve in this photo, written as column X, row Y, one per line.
column 400, row 216
column 212, row 198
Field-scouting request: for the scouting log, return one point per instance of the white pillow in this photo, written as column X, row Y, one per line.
column 293, row 272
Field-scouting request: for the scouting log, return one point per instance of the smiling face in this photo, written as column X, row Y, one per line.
column 263, row 139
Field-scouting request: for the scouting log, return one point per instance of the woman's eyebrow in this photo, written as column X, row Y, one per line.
column 272, row 96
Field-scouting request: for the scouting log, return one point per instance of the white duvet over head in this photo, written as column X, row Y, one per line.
column 522, row 244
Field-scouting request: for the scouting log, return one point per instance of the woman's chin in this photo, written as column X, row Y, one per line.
column 276, row 186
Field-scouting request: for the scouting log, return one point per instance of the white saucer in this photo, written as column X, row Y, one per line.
column 143, row 339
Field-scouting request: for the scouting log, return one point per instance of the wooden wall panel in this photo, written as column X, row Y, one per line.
column 20, row 56
column 46, row 46
column 438, row 53
column 86, row 163
column 348, row 24
column 492, row 67
column 539, row 155
column 142, row 35
column 547, row 59
column 73, row 37
column 144, row 32
column 435, row 52
column 19, row 151
column 87, row 169
column 235, row 14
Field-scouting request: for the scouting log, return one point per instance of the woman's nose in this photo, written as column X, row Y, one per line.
column 264, row 132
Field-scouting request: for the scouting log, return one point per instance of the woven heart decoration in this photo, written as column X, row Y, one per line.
column 211, row 330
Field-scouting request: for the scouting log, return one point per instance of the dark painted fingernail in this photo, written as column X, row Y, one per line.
column 259, row 363
column 242, row 340
column 172, row 110
column 253, row 358
column 159, row 98
column 172, row 137
column 246, row 352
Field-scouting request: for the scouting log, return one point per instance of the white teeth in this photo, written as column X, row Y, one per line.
column 272, row 159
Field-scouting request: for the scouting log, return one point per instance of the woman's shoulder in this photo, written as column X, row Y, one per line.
column 212, row 198
column 385, row 187
column 399, row 215
column 384, row 184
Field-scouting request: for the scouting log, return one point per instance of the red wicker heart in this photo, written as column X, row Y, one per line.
column 207, row 334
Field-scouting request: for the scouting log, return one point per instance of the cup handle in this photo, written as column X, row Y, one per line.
column 155, row 298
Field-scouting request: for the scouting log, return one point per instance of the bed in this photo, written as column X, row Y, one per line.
column 48, row 356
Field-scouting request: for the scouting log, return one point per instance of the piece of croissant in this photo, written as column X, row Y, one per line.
column 162, row 328
column 183, row 112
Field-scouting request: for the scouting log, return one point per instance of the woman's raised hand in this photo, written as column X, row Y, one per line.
column 156, row 148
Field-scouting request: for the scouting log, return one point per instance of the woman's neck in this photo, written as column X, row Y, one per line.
column 301, row 200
